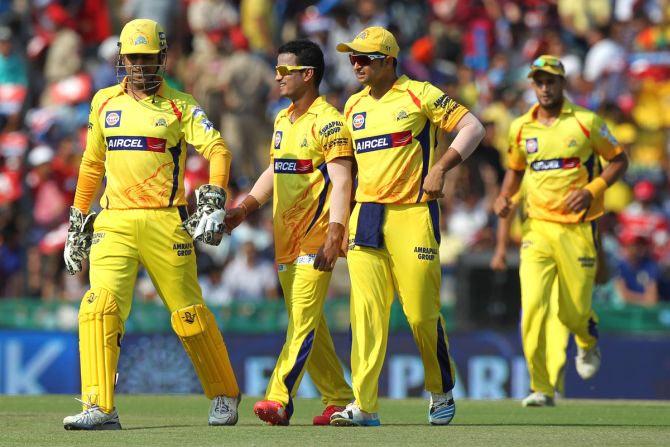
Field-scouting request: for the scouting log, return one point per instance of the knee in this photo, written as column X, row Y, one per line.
column 98, row 300
column 419, row 322
column 192, row 320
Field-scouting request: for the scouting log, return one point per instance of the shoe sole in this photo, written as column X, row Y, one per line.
column 222, row 424
column 270, row 417
column 106, row 426
column 342, row 422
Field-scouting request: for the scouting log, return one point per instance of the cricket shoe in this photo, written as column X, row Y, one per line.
column 271, row 412
column 324, row 418
column 93, row 418
column 587, row 362
column 353, row 416
column 537, row 399
column 442, row 408
column 223, row 410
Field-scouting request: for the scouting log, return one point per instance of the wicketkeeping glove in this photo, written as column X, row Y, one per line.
column 78, row 243
column 206, row 225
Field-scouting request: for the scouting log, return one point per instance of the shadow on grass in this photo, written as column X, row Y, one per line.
column 156, row 427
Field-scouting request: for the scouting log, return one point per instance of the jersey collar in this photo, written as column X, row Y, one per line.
column 318, row 102
column 566, row 109
column 400, row 84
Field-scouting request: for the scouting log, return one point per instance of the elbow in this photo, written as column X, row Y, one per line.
column 481, row 131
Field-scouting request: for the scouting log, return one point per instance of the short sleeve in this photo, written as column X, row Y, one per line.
column 440, row 109
column 198, row 130
column 334, row 137
column 604, row 143
column 516, row 157
column 95, row 140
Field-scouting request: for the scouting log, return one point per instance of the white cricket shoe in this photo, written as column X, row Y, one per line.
column 93, row 418
column 353, row 416
column 537, row 399
column 587, row 362
column 223, row 410
column 442, row 408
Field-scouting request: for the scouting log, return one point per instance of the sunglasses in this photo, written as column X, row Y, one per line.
column 364, row 59
column 285, row 70
column 547, row 62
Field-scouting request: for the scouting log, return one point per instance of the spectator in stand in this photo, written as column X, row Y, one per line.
column 644, row 217
column 637, row 273
column 249, row 278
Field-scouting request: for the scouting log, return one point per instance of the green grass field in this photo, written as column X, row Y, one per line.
column 182, row 421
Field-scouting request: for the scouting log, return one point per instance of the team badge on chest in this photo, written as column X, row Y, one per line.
column 358, row 121
column 278, row 137
column 113, row 118
column 531, row 145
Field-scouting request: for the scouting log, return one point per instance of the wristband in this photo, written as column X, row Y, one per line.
column 596, row 187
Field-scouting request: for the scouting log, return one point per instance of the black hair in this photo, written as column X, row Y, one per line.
column 307, row 53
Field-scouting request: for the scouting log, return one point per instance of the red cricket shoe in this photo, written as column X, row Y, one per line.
column 324, row 418
column 271, row 412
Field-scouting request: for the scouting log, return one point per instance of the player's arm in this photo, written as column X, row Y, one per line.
column 259, row 194
column 206, row 224
column 470, row 133
column 511, row 184
column 91, row 172
column 498, row 261
column 339, row 171
column 605, row 145
column 449, row 116
column 516, row 168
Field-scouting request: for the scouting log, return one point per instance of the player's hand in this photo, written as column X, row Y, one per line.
column 206, row 225
column 78, row 243
column 234, row 217
column 498, row 261
column 328, row 253
column 502, row 206
column 433, row 185
column 578, row 200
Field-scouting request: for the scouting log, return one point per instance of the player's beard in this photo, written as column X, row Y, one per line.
column 146, row 83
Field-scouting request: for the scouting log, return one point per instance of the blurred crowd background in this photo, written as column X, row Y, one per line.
column 54, row 55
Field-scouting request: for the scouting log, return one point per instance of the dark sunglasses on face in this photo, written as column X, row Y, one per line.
column 364, row 59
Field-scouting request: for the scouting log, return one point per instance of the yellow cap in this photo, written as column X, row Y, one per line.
column 374, row 39
column 142, row 36
column 549, row 64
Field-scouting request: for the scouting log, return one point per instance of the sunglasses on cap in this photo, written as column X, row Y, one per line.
column 285, row 70
column 364, row 59
column 542, row 62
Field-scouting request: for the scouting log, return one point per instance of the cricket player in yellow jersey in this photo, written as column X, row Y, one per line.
column 137, row 136
column 394, row 230
column 556, row 146
column 556, row 333
column 309, row 178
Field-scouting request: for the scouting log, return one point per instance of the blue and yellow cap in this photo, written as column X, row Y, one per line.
column 548, row 64
column 374, row 39
column 142, row 36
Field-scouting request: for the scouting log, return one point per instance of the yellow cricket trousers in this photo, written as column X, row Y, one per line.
column 566, row 253
column 308, row 341
column 405, row 262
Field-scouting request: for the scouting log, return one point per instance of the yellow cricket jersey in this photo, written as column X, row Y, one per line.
column 560, row 158
column 394, row 138
column 299, row 153
column 143, row 145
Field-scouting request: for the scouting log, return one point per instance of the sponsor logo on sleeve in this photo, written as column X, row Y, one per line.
column 555, row 163
column 605, row 133
column 149, row 144
column 358, row 120
column 531, row 145
column 331, row 128
column 278, row 136
column 198, row 113
column 380, row 142
column 293, row 166
column 113, row 118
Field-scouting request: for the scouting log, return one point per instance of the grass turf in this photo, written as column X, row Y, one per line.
column 150, row 420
